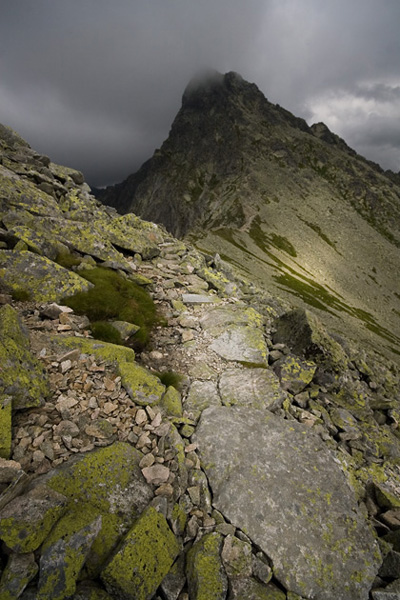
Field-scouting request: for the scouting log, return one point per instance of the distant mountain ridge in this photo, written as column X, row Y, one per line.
column 291, row 206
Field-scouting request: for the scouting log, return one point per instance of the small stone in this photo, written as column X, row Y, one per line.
column 141, row 417
column 166, row 490
column 147, row 461
column 156, row 474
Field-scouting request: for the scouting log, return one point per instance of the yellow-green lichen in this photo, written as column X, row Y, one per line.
column 143, row 559
column 42, row 278
column 143, row 387
column 5, row 426
column 206, row 579
column 21, row 376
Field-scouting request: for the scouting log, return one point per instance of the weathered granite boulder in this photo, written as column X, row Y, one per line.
column 305, row 335
column 107, row 483
column 22, row 377
column 242, row 344
column 20, row 570
column 258, row 388
column 295, row 374
column 62, row 559
column 143, row 560
column 205, row 573
column 202, row 394
column 286, row 491
column 41, row 278
column 27, row 520
column 143, row 387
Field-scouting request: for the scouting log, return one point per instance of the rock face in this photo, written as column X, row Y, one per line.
column 285, row 490
column 296, row 209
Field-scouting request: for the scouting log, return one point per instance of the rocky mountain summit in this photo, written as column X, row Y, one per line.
column 171, row 431
column 292, row 206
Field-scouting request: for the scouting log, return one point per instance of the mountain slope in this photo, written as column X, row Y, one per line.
column 291, row 206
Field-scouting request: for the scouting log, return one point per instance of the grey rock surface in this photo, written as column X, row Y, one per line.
column 282, row 486
column 258, row 388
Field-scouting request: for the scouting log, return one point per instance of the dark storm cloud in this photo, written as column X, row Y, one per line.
column 96, row 84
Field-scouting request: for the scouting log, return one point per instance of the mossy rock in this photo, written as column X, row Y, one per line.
column 295, row 374
column 43, row 279
column 62, row 558
column 143, row 560
column 19, row 571
column 102, row 350
column 5, row 426
column 22, row 377
column 107, row 478
column 143, row 387
column 171, row 402
column 26, row 521
column 205, row 573
column 305, row 335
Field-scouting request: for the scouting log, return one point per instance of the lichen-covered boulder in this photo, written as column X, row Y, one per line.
column 102, row 350
column 20, row 570
column 202, row 394
column 287, row 492
column 294, row 374
column 258, row 388
column 144, row 558
column 304, row 333
column 131, row 233
column 106, row 483
column 21, row 376
column 27, row 520
column 205, row 573
column 5, row 425
column 107, row 478
column 242, row 344
column 41, row 278
column 62, row 558
column 143, row 387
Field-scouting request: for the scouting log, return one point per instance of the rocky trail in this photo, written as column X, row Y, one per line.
column 245, row 452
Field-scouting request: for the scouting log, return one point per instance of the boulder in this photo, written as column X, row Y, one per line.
column 42, row 279
column 143, row 387
column 27, row 520
column 205, row 573
column 62, row 558
column 202, row 394
column 294, row 374
column 242, row 344
column 144, row 558
column 22, row 377
column 258, row 388
column 20, row 570
column 304, row 333
column 286, row 490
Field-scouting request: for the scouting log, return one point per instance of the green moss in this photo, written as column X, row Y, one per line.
column 170, row 379
column 143, row 560
column 115, row 297
column 68, row 260
column 20, row 294
column 171, row 402
column 103, row 330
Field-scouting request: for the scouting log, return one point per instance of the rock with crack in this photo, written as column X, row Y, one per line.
column 258, row 388
column 286, row 490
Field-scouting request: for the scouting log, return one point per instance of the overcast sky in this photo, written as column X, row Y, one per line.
column 96, row 84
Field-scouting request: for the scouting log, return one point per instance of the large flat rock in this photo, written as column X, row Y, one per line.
column 279, row 483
